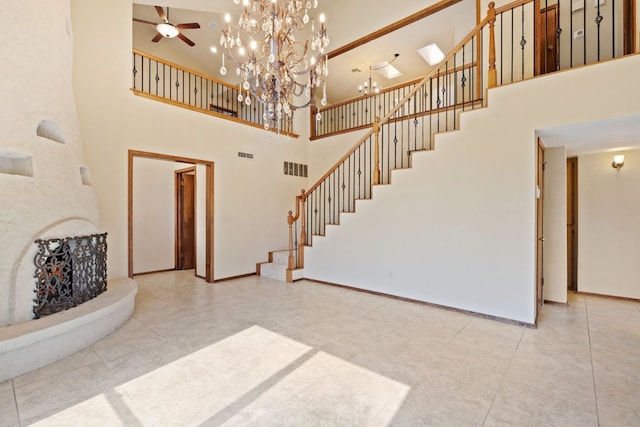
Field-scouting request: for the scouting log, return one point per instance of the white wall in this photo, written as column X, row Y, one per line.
column 459, row 228
column 555, row 225
column 251, row 197
column 608, row 225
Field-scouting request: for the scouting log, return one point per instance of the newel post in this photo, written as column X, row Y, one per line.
column 491, row 17
column 290, row 261
column 303, row 229
column 376, row 168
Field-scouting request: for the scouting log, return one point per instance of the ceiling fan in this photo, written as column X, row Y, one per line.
column 167, row 29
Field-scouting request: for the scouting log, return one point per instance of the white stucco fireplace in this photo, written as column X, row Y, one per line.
column 45, row 184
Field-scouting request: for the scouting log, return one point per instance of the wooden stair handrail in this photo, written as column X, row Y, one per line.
column 403, row 101
column 182, row 68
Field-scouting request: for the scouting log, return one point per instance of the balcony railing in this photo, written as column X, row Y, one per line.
column 531, row 37
column 158, row 79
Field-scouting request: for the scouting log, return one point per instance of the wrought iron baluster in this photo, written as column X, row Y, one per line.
column 501, row 46
column 598, row 21
column 149, row 75
column 613, row 29
column 349, row 184
column 584, row 38
column 512, row 45
column 359, row 172
column 295, row 243
column 463, row 80
column 157, row 77
column 134, row 71
column 523, row 42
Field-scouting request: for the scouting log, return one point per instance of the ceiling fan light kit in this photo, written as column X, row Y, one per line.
column 167, row 29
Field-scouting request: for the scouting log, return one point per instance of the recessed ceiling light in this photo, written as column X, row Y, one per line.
column 431, row 53
column 214, row 49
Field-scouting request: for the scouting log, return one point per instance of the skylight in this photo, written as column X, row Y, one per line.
column 389, row 71
column 431, row 53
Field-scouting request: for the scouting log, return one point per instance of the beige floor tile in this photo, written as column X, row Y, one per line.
column 618, row 340
column 77, row 360
column 607, row 362
column 620, row 390
column 440, row 396
column 41, row 399
column 556, row 338
column 611, row 415
column 557, row 409
column 8, row 408
column 132, row 336
column 488, row 336
column 484, row 369
column 546, row 376
column 501, row 416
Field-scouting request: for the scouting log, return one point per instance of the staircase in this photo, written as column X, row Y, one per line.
column 433, row 107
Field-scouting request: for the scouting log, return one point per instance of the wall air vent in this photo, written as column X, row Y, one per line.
column 245, row 155
column 295, row 169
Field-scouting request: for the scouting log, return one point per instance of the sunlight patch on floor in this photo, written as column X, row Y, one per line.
column 252, row 377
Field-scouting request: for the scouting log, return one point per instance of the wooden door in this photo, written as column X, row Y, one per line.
column 185, row 220
column 629, row 18
column 548, row 23
column 539, row 227
column 572, row 223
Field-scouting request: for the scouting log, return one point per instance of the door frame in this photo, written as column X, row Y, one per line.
column 179, row 195
column 539, row 275
column 209, row 208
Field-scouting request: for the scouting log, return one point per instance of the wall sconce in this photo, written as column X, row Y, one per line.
column 618, row 162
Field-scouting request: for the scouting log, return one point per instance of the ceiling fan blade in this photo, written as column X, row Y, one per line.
column 186, row 40
column 188, row 26
column 161, row 13
column 143, row 21
column 157, row 38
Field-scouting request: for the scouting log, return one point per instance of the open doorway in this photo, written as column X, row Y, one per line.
column 199, row 171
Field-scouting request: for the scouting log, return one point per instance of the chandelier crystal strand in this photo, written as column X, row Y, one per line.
column 272, row 64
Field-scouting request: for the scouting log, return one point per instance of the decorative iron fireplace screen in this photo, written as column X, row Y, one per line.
column 69, row 271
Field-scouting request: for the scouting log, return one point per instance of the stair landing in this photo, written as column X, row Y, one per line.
column 276, row 267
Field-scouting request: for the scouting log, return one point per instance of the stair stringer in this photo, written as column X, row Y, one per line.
column 458, row 229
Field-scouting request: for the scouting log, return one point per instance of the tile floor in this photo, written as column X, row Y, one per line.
column 259, row 352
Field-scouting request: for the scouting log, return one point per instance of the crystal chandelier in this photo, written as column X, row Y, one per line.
column 272, row 64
